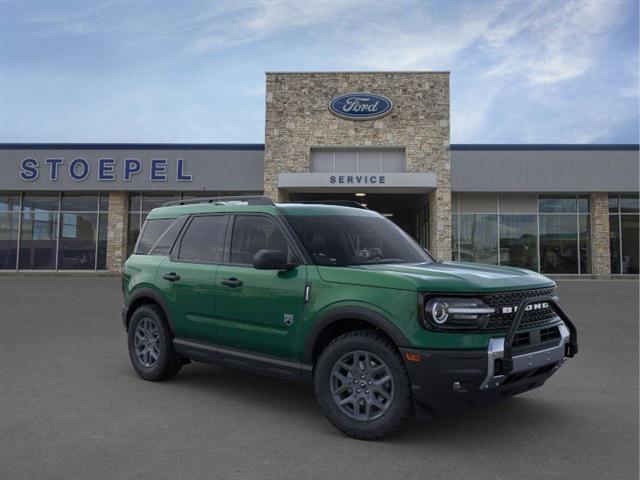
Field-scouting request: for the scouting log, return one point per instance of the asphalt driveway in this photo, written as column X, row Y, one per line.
column 71, row 406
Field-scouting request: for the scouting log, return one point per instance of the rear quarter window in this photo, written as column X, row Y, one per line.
column 158, row 236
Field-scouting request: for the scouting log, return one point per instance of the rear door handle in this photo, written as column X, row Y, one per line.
column 232, row 282
column 172, row 277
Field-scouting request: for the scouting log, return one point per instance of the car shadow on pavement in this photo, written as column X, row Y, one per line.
column 254, row 394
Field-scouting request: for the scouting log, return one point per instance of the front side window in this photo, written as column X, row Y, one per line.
column 203, row 241
column 341, row 240
column 253, row 233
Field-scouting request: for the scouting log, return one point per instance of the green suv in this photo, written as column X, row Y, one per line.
column 340, row 297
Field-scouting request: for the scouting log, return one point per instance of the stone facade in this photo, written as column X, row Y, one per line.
column 600, row 247
column 298, row 119
column 117, row 230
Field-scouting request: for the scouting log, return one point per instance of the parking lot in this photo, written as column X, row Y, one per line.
column 73, row 408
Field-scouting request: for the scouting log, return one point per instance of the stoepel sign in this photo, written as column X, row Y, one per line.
column 107, row 169
column 360, row 106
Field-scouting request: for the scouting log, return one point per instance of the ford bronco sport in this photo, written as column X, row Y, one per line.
column 339, row 297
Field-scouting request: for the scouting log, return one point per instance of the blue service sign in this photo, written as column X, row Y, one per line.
column 360, row 106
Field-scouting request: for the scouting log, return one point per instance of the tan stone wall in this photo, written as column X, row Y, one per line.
column 117, row 230
column 600, row 248
column 298, row 119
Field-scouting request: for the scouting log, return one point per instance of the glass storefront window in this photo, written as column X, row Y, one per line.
column 519, row 241
column 9, row 222
column 557, row 204
column 455, row 254
column 79, row 202
column 614, row 242
column 629, row 204
column 623, row 234
column 154, row 200
column 78, row 235
column 41, row 201
column 629, row 243
column 558, row 244
column 583, row 204
column 38, row 239
column 478, row 238
column 53, row 231
column 584, row 235
column 133, row 231
column 9, row 202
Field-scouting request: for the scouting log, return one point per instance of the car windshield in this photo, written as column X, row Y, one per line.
column 341, row 240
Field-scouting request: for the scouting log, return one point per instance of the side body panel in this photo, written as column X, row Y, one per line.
column 265, row 313
column 191, row 299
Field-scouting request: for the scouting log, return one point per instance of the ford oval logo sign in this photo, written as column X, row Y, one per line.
column 360, row 106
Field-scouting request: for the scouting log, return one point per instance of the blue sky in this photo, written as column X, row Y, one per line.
column 136, row 71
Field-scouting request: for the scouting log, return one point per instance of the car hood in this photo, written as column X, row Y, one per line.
column 437, row 277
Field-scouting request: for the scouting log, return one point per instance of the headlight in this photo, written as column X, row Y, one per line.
column 456, row 313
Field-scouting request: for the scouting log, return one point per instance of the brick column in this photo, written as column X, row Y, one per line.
column 117, row 230
column 440, row 223
column 600, row 250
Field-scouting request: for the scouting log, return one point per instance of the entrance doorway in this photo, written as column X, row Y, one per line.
column 409, row 211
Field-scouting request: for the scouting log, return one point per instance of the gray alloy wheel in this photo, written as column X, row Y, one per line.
column 362, row 385
column 147, row 342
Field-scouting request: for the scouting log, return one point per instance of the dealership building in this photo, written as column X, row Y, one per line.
column 380, row 138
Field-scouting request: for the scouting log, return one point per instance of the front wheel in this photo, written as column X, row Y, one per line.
column 362, row 385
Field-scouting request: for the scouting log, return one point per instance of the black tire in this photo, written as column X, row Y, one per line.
column 167, row 363
column 376, row 344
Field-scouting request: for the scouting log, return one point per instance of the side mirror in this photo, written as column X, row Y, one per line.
column 271, row 260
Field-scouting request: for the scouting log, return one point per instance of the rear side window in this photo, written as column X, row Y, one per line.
column 164, row 244
column 203, row 242
column 151, row 232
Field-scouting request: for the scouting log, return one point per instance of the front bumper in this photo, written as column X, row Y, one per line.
column 445, row 380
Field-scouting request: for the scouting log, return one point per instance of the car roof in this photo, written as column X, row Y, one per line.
column 294, row 209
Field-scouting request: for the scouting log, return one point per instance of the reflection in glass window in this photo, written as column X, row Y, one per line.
column 519, row 241
column 479, row 238
column 558, row 244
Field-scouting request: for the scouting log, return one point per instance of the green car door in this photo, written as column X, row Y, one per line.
column 259, row 310
column 188, row 277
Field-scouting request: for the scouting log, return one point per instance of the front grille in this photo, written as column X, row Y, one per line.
column 533, row 318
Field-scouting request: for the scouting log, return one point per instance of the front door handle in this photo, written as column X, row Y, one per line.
column 172, row 277
column 232, row 282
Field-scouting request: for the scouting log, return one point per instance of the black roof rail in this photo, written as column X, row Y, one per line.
column 249, row 199
column 341, row 203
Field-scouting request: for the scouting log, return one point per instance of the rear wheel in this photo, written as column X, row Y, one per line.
column 362, row 385
column 151, row 344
